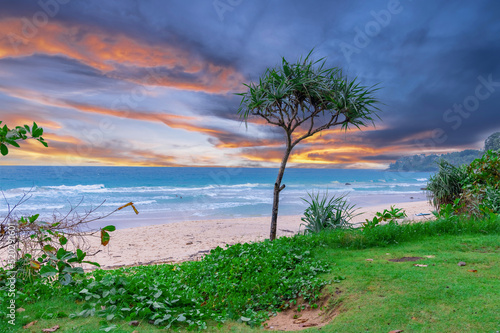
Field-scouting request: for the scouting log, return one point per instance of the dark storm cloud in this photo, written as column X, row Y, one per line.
column 428, row 56
column 54, row 73
column 387, row 158
column 425, row 69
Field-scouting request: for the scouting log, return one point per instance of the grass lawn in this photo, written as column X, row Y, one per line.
column 376, row 295
column 380, row 296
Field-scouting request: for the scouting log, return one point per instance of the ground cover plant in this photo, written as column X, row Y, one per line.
column 390, row 216
column 242, row 284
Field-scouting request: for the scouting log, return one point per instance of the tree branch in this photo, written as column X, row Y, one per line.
column 333, row 122
column 267, row 118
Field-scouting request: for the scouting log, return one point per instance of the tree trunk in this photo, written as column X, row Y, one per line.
column 276, row 197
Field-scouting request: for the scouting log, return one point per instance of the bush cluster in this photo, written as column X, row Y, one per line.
column 395, row 233
column 244, row 282
column 472, row 189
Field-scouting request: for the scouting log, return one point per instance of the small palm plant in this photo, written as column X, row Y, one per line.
column 446, row 185
column 324, row 213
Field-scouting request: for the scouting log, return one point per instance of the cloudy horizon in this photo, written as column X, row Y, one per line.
column 153, row 83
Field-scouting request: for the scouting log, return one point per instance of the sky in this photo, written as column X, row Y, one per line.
column 153, row 83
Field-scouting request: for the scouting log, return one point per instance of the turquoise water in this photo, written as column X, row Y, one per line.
column 165, row 195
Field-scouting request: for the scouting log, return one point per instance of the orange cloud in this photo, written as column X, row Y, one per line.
column 66, row 150
column 240, row 142
column 12, row 120
column 314, row 155
column 171, row 120
column 110, row 52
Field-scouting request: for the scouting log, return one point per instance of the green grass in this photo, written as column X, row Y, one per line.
column 379, row 295
column 375, row 296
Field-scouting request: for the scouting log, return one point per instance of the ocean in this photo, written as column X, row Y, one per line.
column 164, row 195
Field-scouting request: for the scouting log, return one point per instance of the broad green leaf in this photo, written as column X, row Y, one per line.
column 60, row 253
column 33, row 218
column 13, row 143
column 63, row 240
column 48, row 270
column 65, row 279
column 73, row 270
column 37, row 132
column 92, row 263
column 3, row 149
column 104, row 238
column 34, row 264
column 109, row 228
column 80, row 255
column 157, row 305
column 49, row 248
column 108, row 328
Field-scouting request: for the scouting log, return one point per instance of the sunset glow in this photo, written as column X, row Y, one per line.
column 154, row 85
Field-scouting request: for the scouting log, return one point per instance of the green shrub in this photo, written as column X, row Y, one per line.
column 446, row 185
column 472, row 189
column 481, row 190
column 324, row 213
column 484, row 171
column 394, row 233
column 244, row 282
column 389, row 216
column 491, row 200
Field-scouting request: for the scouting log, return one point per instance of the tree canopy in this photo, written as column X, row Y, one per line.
column 427, row 163
column 424, row 162
column 310, row 96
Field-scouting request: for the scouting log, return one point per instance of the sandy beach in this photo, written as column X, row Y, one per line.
column 176, row 242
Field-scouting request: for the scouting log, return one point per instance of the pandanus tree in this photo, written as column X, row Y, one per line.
column 305, row 98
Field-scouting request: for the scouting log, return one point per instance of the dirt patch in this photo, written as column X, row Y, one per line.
column 488, row 249
column 294, row 320
column 403, row 259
